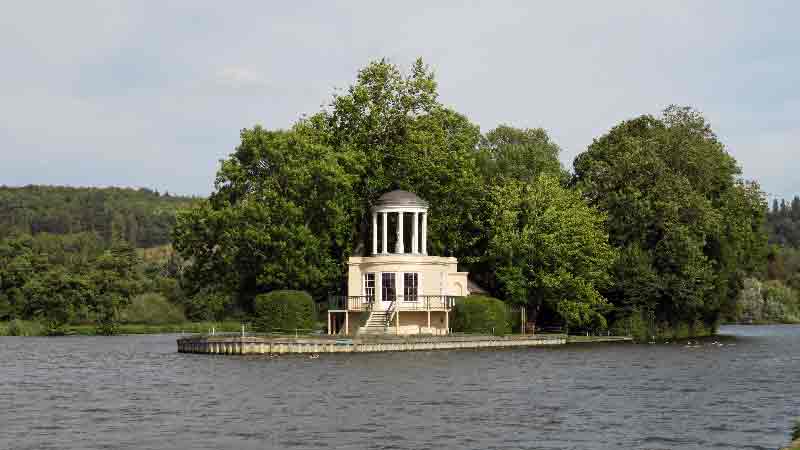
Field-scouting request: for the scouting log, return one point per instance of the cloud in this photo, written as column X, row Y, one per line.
column 240, row 77
column 154, row 93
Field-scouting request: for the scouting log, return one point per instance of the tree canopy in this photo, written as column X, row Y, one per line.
column 290, row 206
column 686, row 225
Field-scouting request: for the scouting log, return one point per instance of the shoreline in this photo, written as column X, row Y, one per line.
column 274, row 345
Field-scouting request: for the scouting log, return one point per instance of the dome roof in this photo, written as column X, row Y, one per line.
column 401, row 198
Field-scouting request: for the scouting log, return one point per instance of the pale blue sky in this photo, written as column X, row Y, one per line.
column 153, row 94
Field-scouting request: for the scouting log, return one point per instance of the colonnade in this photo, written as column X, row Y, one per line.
column 419, row 238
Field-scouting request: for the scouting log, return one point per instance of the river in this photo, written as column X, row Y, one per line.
column 136, row 392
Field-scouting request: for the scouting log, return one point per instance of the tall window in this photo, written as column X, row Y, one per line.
column 388, row 287
column 369, row 287
column 410, row 287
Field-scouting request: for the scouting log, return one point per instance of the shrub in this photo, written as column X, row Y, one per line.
column 796, row 430
column 208, row 305
column 151, row 308
column 284, row 310
column 481, row 314
column 24, row 328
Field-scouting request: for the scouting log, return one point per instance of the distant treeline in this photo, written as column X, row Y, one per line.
column 140, row 217
column 783, row 223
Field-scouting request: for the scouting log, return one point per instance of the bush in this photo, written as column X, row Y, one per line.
column 208, row 305
column 284, row 310
column 481, row 314
column 796, row 430
column 23, row 328
column 151, row 308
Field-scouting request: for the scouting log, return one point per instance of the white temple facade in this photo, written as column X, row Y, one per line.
column 399, row 288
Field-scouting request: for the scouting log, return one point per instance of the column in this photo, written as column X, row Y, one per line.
column 415, row 234
column 399, row 247
column 330, row 331
column 346, row 323
column 374, row 233
column 385, row 227
column 425, row 233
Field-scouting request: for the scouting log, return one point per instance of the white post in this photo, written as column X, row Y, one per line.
column 374, row 233
column 415, row 234
column 399, row 246
column 385, row 227
column 425, row 233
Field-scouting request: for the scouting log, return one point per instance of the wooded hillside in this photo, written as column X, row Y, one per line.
column 140, row 217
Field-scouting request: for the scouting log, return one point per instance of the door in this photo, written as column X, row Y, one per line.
column 388, row 288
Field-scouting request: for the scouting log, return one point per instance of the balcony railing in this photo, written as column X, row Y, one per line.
column 401, row 302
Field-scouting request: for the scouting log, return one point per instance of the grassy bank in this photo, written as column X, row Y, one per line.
column 34, row 328
column 643, row 330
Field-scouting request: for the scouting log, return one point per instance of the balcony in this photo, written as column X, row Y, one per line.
column 362, row 303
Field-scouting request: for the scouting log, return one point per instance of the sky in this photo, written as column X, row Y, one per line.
column 154, row 93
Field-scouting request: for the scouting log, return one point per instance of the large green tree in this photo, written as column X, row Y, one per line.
column 281, row 217
column 521, row 154
column 687, row 227
column 549, row 248
column 291, row 206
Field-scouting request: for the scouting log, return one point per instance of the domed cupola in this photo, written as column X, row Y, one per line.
column 407, row 206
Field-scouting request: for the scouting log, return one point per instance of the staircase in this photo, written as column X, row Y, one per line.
column 377, row 323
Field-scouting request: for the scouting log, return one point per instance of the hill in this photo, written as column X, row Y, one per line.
column 141, row 217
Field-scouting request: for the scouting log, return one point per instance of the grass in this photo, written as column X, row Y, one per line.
column 33, row 328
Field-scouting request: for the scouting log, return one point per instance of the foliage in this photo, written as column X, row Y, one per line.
column 142, row 217
column 58, row 280
column 208, row 304
column 151, row 308
column 689, row 230
column 54, row 297
column 769, row 301
column 796, row 430
column 19, row 327
column 284, row 310
column 549, row 247
column 519, row 154
column 280, row 218
column 289, row 207
column 481, row 314
column 783, row 223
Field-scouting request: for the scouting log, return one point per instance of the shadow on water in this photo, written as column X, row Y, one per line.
column 734, row 391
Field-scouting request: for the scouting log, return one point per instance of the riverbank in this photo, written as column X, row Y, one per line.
column 34, row 328
column 270, row 345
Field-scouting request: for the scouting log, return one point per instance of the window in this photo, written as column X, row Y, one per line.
column 388, row 287
column 410, row 287
column 369, row 287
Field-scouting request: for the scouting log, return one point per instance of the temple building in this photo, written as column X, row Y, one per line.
column 399, row 288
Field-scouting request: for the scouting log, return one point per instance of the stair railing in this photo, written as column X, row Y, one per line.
column 391, row 310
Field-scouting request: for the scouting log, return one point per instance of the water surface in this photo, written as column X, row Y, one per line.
column 136, row 392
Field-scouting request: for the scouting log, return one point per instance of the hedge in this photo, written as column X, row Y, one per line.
column 284, row 310
column 481, row 314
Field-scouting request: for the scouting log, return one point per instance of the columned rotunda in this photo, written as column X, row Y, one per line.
column 399, row 288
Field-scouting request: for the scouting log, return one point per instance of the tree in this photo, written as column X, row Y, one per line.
column 548, row 247
column 521, row 154
column 55, row 296
column 290, row 206
column 116, row 282
column 677, row 209
column 281, row 218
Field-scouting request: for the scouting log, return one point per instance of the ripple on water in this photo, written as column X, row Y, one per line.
column 136, row 392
